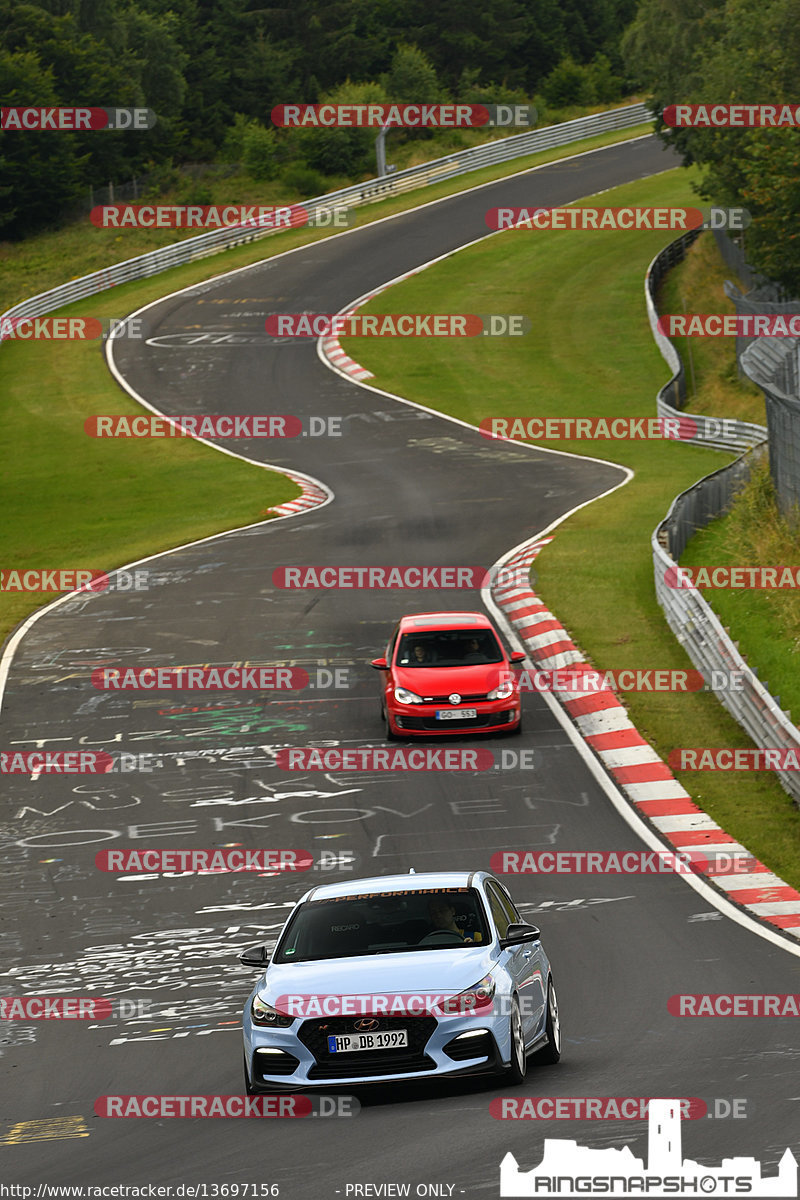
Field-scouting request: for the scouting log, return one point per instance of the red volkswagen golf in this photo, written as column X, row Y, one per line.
column 448, row 673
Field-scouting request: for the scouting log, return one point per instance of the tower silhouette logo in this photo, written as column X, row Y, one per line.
column 568, row 1170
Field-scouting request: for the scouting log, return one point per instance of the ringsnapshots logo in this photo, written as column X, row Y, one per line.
column 397, row 325
column 570, row 1170
column 75, row 120
column 405, row 116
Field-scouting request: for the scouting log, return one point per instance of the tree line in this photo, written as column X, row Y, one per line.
column 744, row 52
column 212, row 70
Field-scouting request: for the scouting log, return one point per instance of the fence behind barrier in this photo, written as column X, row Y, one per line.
column 700, row 631
column 671, row 398
column 688, row 614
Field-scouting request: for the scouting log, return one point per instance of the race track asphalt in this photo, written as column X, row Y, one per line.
column 409, row 488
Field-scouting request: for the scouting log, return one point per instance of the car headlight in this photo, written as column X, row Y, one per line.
column 502, row 691
column 263, row 1014
column 406, row 697
column 472, row 1000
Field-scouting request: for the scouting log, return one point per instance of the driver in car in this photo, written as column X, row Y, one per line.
column 473, row 652
column 443, row 916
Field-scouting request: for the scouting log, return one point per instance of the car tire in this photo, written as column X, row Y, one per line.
column 551, row 1053
column 391, row 736
column 515, row 1072
column 248, row 1087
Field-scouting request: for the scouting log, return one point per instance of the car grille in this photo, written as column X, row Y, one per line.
column 465, row 699
column 431, row 724
column 397, row 1061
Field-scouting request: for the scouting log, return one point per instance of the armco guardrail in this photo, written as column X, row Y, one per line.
column 503, row 150
column 736, row 435
column 689, row 616
column 774, row 364
column 699, row 630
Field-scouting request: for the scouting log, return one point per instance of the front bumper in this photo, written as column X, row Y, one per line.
column 407, row 720
column 461, row 1045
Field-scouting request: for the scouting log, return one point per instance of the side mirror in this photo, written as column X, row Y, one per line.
column 517, row 656
column 517, row 934
column 254, row 956
column 380, row 664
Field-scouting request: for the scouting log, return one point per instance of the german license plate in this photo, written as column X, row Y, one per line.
column 455, row 714
column 345, row 1043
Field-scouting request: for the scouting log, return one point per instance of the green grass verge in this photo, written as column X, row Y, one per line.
column 713, row 386
column 590, row 353
column 71, row 500
column 766, row 624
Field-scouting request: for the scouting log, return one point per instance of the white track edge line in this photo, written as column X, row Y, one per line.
column 629, row 814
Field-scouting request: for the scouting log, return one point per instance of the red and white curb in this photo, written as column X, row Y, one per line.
column 330, row 347
column 312, row 495
column 333, row 353
column 642, row 776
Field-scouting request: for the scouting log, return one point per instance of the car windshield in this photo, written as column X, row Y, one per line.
column 449, row 648
column 384, row 923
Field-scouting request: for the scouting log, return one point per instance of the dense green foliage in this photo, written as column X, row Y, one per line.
column 732, row 52
column 212, row 70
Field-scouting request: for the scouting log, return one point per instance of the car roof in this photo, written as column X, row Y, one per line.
column 378, row 884
column 443, row 620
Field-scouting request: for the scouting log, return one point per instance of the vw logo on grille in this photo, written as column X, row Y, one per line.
column 366, row 1024
column 454, row 698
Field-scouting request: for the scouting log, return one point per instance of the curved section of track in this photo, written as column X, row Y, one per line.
column 409, row 487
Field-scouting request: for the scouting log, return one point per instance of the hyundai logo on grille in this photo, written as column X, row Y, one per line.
column 454, row 698
column 366, row 1024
